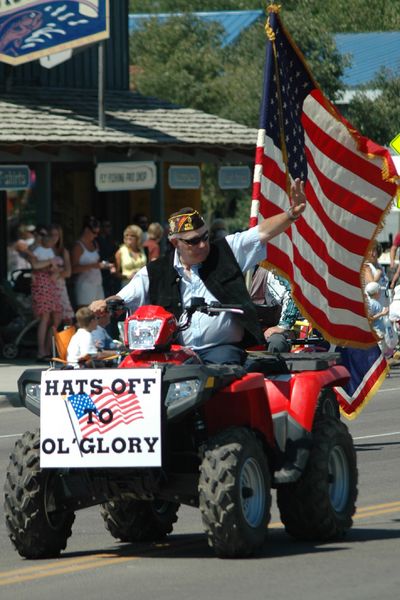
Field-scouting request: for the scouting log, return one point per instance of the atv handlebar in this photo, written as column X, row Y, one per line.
column 116, row 306
column 213, row 308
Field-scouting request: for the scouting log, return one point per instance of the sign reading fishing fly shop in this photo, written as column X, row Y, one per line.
column 100, row 418
column 32, row 29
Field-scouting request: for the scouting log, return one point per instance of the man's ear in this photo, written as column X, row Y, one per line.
column 174, row 242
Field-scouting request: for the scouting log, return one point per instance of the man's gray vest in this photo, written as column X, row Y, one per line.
column 221, row 275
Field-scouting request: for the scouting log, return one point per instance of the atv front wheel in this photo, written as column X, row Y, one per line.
column 139, row 520
column 320, row 505
column 235, row 493
column 37, row 528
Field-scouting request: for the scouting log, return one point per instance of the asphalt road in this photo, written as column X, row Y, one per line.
column 365, row 566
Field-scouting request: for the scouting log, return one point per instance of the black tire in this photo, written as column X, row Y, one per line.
column 321, row 504
column 34, row 530
column 235, row 493
column 139, row 520
column 328, row 405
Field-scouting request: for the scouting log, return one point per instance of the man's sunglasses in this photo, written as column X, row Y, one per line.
column 196, row 240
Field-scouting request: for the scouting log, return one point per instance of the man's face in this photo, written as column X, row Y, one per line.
column 193, row 246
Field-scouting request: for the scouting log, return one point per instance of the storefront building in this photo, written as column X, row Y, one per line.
column 112, row 153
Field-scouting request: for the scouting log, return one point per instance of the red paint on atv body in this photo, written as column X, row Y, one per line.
column 297, row 393
column 242, row 403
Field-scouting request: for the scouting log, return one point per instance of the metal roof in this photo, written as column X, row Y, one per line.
column 369, row 52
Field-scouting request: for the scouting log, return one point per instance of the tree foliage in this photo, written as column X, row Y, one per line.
column 340, row 16
column 179, row 61
column 335, row 16
column 378, row 119
column 165, row 6
column 183, row 60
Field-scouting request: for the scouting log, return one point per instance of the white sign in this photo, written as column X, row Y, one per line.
column 100, row 418
column 184, row 178
column 234, row 178
column 53, row 60
column 111, row 177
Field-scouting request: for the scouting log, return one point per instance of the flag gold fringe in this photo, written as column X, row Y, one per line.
column 369, row 396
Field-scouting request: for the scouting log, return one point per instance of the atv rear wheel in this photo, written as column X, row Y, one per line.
column 139, row 520
column 320, row 505
column 235, row 493
column 36, row 527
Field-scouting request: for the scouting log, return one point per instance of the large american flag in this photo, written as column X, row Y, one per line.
column 125, row 409
column 348, row 189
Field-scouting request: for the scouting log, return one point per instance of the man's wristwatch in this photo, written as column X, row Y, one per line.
column 291, row 215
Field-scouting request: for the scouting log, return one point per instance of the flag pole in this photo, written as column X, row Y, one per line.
column 255, row 202
column 72, row 424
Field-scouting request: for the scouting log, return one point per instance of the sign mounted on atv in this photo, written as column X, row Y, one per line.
column 101, row 418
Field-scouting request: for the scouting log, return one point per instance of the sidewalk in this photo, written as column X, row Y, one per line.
column 10, row 370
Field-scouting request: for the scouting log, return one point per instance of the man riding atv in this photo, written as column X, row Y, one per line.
column 213, row 271
column 164, row 429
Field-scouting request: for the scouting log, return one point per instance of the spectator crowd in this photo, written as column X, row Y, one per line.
column 62, row 283
column 59, row 282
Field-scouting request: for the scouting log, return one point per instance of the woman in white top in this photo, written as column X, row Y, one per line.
column 86, row 264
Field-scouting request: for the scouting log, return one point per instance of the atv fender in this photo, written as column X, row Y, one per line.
column 297, row 394
column 243, row 403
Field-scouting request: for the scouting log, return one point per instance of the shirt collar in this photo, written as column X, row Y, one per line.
column 178, row 265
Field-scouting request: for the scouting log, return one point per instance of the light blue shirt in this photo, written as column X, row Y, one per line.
column 204, row 331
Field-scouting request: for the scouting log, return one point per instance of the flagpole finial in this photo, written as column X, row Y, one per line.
column 274, row 8
column 270, row 33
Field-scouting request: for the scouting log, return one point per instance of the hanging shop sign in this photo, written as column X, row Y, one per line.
column 113, row 177
column 234, row 178
column 32, row 29
column 14, row 177
column 184, row 178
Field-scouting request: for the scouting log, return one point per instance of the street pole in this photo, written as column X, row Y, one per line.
column 101, row 85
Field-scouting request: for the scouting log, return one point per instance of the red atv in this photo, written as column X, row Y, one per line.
column 229, row 435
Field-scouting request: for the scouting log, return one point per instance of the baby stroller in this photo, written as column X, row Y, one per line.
column 17, row 323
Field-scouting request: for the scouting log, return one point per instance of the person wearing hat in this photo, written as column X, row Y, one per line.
column 196, row 268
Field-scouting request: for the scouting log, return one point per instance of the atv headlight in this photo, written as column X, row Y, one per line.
column 142, row 334
column 181, row 390
column 32, row 397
